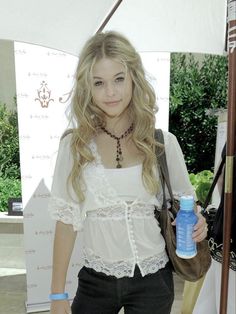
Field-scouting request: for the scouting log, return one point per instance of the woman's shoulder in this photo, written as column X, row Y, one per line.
column 65, row 140
column 66, row 137
column 171, row 144
column 169, row 138
column 67, row 134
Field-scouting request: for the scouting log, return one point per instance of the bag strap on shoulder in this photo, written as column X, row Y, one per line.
column 164, row 173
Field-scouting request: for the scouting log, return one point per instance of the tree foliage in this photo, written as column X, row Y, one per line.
column 10, row 184
column 10, row 188
column 194, row 89
column 9, row 144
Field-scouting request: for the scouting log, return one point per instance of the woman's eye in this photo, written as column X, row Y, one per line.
column 120, row 79
column 98, row 83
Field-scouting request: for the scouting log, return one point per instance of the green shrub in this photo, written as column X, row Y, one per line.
column 10, row 184
column 9, row 188
column 9, row 144
column 195, row 88
column 202, row 182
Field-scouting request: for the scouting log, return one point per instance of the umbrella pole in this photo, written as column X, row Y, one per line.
column 107, row 19
column 228, row 205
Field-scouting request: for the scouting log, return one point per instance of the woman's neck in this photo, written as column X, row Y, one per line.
column 118, row 125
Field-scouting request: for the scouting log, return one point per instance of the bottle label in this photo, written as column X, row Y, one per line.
column 185, row 247
column 184, row 238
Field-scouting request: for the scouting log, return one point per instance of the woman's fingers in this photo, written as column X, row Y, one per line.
column 200, row 229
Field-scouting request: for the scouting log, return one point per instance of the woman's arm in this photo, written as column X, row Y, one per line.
column 180, row 181
column 64, row 240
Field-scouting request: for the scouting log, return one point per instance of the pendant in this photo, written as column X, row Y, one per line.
column 119, row 166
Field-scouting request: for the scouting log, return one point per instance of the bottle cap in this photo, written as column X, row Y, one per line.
column 186, row 202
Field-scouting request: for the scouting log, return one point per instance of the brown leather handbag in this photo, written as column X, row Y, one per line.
column 188, row 269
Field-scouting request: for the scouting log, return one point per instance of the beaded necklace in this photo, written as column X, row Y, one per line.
column 119, row 156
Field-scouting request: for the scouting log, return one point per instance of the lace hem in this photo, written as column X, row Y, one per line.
column 217, row 253
column 152, row 264
column 122, row 268
column 65, row 212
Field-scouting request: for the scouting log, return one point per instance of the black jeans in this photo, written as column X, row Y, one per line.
column 101, row 294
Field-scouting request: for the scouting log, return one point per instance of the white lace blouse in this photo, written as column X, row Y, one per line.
column 117, row 216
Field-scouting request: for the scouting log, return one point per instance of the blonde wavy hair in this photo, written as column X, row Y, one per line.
column 88, row 117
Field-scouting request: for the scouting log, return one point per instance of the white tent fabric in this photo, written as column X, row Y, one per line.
column 60, row 24
column 174, row 26
column 163, row 25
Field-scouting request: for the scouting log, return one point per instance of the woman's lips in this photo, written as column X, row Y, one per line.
column 112, row 103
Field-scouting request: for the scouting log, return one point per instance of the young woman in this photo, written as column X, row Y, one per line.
column 106, row 182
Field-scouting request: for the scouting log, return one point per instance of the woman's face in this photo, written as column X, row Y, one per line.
column 111, row 87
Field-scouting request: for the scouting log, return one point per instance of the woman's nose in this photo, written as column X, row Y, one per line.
column 110, row 89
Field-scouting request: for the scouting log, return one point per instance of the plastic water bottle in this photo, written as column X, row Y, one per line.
column 185, row 221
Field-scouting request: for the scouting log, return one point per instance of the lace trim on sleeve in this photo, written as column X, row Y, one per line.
column 65, row 212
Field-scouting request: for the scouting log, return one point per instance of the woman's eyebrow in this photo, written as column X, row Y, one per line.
column 117, row 74
column 120, row 73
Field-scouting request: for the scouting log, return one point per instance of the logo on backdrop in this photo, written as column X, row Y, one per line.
column 65, row 98
column 44, row 95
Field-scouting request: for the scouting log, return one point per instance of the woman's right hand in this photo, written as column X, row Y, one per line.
column 60, row 307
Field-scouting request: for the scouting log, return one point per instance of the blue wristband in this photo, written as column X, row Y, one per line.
column 58, row 296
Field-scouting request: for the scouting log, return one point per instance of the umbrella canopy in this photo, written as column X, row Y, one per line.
column 60, row 24
column 163, row 25
column 175, row 26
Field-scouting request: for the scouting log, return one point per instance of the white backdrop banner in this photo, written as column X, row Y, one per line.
column 44, row 78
